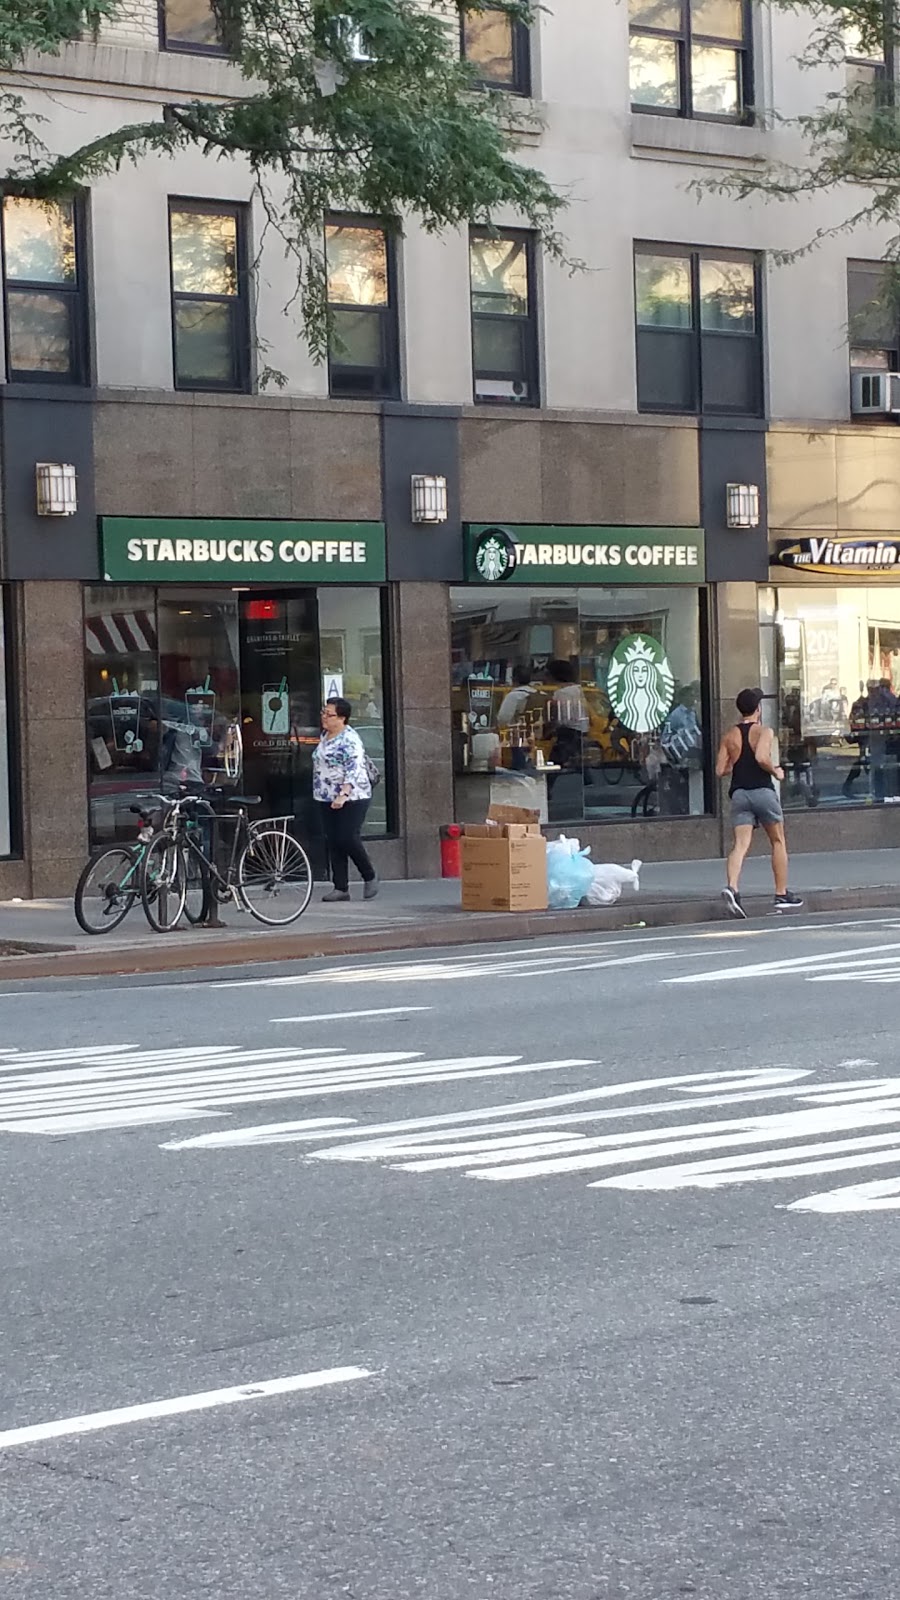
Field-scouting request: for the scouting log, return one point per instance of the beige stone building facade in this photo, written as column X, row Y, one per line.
column 580, row 416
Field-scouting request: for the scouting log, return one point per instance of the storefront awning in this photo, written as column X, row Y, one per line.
column 120, row 633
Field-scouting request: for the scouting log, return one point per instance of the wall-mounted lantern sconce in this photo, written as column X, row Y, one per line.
column 742, row 505
column 429, row 499
column 57, row 489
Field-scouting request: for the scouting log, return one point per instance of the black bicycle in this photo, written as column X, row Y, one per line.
column 265, row 870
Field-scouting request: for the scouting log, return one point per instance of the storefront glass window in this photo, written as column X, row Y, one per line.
column 350, row 642
column 831, row 670
column 586, row 703
column 5, row 775
column 171, row 671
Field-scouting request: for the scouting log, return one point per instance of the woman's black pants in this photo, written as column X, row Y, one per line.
column 342, row 835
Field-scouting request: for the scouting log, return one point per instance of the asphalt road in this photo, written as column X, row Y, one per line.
column 577, row 1266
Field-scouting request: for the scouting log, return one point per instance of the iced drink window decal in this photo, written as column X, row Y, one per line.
column 200, row 708
column 276, row 708
column 124, row 711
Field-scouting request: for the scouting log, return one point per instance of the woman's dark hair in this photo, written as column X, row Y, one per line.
column 562, row 671
column 521, row 677
column 343, row 707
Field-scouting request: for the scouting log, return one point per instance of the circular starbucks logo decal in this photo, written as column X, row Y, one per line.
column 496, row 556
column 641, row 687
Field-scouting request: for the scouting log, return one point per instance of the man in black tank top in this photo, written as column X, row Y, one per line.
column 747, row 752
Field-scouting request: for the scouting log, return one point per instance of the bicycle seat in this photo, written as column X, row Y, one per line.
column 242, row 799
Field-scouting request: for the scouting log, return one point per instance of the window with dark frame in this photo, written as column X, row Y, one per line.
column 873, row 304
column 193, row 26
column 45, row 303
column 210, row 320
column 691, row 58
column 363, row 344
column 504, row 323
column 498, row 47
column 699, row 331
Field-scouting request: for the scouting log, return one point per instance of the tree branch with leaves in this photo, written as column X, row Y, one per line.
column 397, row 130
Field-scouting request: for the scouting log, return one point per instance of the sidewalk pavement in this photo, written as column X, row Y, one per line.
column 40, row 938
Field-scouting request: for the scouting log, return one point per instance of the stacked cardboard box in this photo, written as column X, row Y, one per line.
column 504, row 862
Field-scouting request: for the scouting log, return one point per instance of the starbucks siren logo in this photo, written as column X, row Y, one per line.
column 641, row 687
column 496, row 555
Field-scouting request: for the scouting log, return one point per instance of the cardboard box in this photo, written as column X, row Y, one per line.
column 504, row 862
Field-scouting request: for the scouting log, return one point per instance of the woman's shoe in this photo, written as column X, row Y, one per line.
column 371, row 888
column 336, row 894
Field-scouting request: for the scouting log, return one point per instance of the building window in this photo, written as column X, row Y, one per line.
column 363, row 351
column 865, row 64
column 699, row 344
column 874, row 317
column 191, row 25
column 691, row 58
column 498, row 47
column 831, row 669
column 504, row 326
column 46, row 319
column 210, row 323
column 542, row 708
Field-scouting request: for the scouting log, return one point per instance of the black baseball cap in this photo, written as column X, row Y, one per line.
column 748, row 701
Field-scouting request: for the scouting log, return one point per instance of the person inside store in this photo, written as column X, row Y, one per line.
column 883, row 713
column 858, row 735
column 516, row 699
column 342, row 786
column 567, row 724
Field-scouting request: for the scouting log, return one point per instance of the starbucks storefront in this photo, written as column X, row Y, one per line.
column 203, row 628
column 578, row 672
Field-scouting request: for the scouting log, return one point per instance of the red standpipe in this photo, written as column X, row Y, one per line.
column 451, row 833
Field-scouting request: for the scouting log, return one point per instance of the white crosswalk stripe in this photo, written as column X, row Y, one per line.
column 826, row 1127
column 879, row 963
column 121, row 1086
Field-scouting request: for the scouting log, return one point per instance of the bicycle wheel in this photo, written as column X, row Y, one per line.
column 163, row 882
column 107, row 889
column 274, row 876
column 197, row 886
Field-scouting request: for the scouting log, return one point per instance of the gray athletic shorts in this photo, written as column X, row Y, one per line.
column 749, row 806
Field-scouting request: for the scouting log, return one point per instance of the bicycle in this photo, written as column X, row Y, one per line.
column 109, row 884
column 268, row 873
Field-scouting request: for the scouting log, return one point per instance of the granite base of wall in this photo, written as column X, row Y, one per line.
column 669, row 839
column 14, row 880
column 844, row 828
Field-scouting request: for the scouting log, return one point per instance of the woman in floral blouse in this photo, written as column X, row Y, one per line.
column 343, row 788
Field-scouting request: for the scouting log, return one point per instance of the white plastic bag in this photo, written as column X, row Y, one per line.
column 608, row 882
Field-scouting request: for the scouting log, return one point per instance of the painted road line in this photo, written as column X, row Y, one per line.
column 372, row 1139
column 83, row 987
column 347, row 1016
column 882, row 1194
column 795, row 966
column 135, row 1089
column 96, row 1421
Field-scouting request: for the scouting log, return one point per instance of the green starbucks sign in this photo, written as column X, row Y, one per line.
column 199, row 550
column 641, row 685
column 495, row 555
column 520, row 554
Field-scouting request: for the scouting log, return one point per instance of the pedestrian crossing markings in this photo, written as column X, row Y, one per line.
column 816, row 1128
column 119, row 1086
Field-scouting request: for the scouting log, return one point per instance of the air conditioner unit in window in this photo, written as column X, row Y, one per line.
column 875, row 394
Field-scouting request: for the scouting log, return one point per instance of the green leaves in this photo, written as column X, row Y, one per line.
column 350, row 105
column 851, row 141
